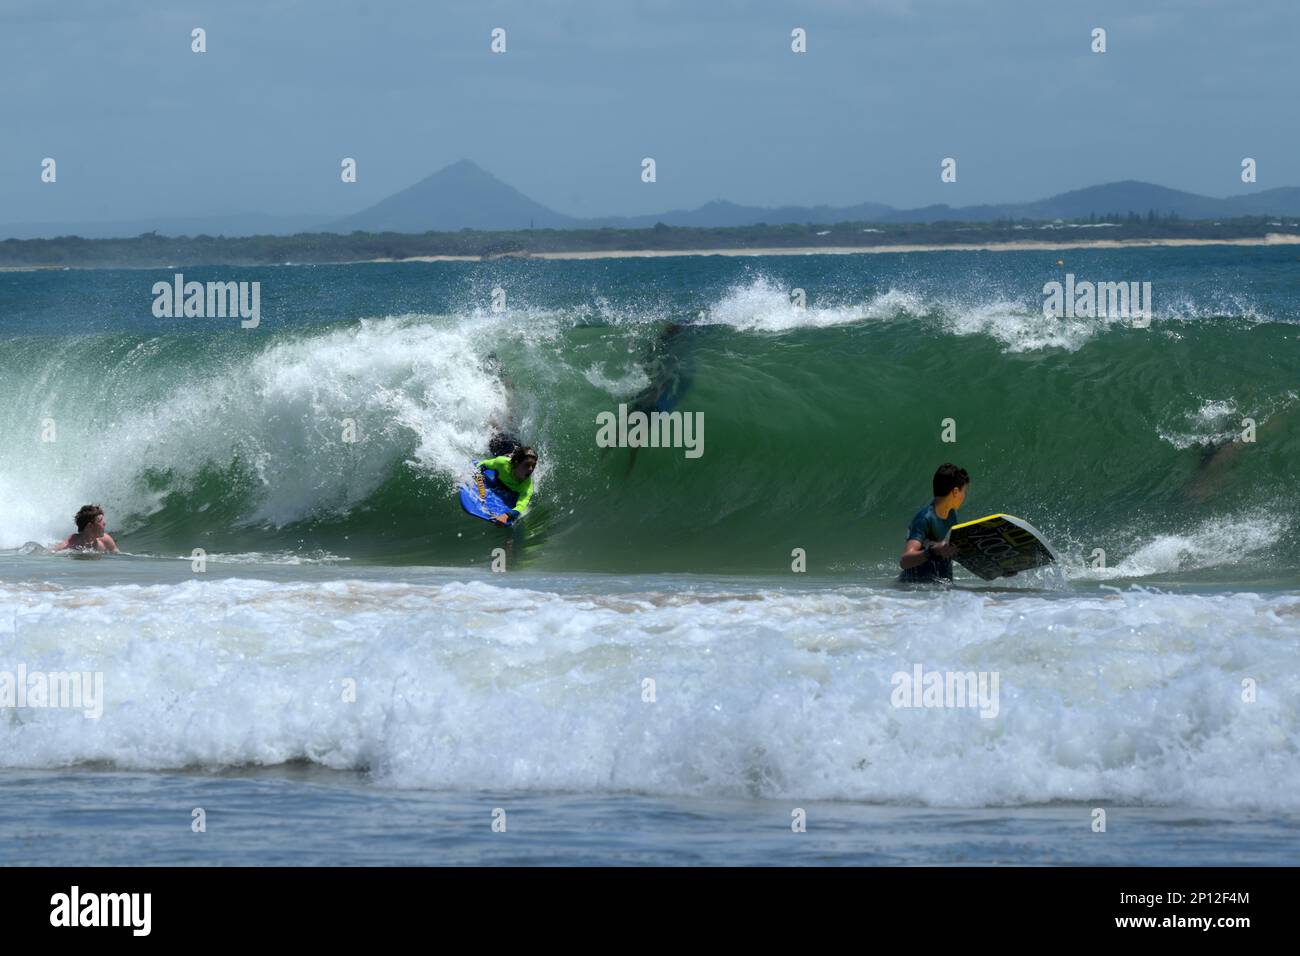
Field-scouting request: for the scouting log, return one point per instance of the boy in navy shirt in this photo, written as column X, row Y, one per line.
column 927, row 556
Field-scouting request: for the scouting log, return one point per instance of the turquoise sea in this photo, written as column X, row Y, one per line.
column 306, row 639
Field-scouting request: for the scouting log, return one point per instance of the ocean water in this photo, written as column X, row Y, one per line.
column 306, row 637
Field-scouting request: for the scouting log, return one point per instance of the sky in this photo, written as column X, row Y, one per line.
column 141, row 126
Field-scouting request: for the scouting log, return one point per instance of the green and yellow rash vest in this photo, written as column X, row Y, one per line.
column 524, row 489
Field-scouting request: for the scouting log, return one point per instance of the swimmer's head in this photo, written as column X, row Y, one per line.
column 951, row 482
column 89, row 515
column 523, row 461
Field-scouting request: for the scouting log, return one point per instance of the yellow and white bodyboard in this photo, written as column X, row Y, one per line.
column 998, row 545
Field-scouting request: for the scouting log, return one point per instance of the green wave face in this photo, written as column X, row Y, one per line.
column 343, row 424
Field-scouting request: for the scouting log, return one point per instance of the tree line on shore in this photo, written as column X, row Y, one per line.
column 154, row 250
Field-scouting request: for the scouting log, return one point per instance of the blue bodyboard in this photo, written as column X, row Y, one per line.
column 484, row 496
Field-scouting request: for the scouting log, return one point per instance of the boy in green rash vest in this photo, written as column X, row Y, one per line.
column 927, row 556
column 515, row 472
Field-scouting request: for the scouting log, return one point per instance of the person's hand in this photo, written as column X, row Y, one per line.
column 944, row 550
column 502, row 519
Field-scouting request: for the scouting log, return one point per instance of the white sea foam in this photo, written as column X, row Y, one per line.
column 412, row 387
column 1214, row 422
column 285, row 558
column 1132, row 697
column 624, row 386
column 763, row 305
column 1019, row 328
column 1218, row 421
column 1213, row 543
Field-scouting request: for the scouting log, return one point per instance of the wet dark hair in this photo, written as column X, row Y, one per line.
column 523, row 453
column 948, row 477
column 86, row 515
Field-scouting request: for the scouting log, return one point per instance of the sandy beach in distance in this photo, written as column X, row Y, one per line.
column 1272, row 239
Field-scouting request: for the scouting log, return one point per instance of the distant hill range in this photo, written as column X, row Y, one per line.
column 465, row 196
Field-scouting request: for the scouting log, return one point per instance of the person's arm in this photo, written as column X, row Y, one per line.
column 521, row 503
column 63, row 545
column 914, row 555
column 110, row 545
column 496, row 464
column 919, row 548
column 917, row 553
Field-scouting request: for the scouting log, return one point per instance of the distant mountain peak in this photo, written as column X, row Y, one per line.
column 462, row 195
column 463, row 169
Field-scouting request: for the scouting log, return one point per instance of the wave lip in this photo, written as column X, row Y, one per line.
column 317, row 423
column 765, row 305
column 241, row 445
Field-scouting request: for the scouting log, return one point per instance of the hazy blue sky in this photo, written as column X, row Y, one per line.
column 140, row 126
